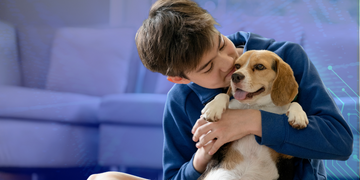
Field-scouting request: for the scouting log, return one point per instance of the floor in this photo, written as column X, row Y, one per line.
column 71, row 173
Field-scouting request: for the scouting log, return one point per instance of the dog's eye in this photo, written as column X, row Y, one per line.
column 237, row 66
column 259, row 67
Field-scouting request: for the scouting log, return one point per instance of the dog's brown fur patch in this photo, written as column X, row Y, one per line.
column 231, row 159
column 275, row 156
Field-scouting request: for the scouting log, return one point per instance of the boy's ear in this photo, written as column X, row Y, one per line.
column 178, row 80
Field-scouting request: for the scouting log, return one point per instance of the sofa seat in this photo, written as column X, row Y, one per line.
column 131, row 130
column 29, row 103
column 132, row 108
column 26, row 143
column 44, row 129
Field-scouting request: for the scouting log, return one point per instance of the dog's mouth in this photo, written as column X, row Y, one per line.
column 241, row 95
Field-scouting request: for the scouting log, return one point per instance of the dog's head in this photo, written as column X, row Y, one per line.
column 260, row 74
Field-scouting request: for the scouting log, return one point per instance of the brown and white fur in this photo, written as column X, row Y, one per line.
column 263, row 81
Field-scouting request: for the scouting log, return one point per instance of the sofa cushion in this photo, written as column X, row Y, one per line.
column 9, row 66
column 163, row 85
column 34, row 53
column 152, row 82
column 36, row 144
column 90, row 61
column 136, row 108
column 131, row 146
column 27, row 103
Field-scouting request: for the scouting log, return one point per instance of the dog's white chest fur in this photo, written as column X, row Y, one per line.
column 262, row 81
column 256, row 165
column 257, row 162
column 257, row 159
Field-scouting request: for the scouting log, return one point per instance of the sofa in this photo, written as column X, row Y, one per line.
column 90, row 105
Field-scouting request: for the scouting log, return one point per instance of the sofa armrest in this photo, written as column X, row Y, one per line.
column 28, row 103
column 132, row 108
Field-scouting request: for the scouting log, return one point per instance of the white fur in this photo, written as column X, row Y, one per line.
column 296, row 115
column 214, row 109
column 257, row 163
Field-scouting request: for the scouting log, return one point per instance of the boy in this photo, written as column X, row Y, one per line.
column 180, row 41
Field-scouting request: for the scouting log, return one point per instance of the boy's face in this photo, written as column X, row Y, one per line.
column 216, row 66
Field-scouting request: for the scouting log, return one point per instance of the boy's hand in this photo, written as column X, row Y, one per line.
column 234, row 124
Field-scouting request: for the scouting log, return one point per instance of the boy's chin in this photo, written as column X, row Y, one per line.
column 221, row 86
column 224, row 84
column 213, row 87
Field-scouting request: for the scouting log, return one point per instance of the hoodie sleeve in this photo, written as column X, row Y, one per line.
column 178, row 150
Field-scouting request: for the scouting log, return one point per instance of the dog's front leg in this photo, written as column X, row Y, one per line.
column 297, row 116
column 213, row 110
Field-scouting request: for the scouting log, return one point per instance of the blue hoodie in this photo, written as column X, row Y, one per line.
column 327, row 136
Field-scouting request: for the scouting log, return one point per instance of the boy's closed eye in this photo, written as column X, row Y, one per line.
column 222, row 41
column 221, row 46
column 211, row 66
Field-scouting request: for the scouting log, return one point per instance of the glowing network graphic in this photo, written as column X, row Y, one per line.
column 349, row 108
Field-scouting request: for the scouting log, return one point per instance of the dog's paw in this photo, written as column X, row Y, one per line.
column 212, row 112
column 297, row 117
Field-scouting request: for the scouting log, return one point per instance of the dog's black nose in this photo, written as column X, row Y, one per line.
column 237, row 77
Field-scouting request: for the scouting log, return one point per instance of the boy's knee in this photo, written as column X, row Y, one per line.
column 92, row 177
column 106, row 176
column 112, row 175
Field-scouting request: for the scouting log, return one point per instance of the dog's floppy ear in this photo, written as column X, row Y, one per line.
column 229, row 91
column 285, row 87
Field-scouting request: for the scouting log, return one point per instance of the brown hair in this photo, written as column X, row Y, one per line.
column 175, row 36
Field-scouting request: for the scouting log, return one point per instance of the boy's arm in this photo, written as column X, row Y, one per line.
column 327, row 136
column 178, row 152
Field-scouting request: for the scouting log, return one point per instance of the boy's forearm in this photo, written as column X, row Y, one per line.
column 199, row 163
column 251, row 121
column 256, row 128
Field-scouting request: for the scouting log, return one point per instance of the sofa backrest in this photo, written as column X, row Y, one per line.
column 9, row 64
column 91, row 61
column 49, row 58
column 152, row 82
column 142, row 80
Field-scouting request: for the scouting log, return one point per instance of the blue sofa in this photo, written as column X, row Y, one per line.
column 89, row 105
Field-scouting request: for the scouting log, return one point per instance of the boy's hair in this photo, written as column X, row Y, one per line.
column 175, row 36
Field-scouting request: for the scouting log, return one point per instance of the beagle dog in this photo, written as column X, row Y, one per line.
column 263, row 81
